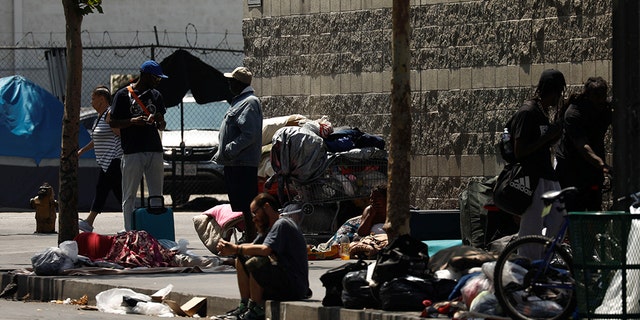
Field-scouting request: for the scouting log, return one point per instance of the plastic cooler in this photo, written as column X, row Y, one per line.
column 606, row 263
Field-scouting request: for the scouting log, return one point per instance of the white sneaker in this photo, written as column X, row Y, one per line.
column 84, row 226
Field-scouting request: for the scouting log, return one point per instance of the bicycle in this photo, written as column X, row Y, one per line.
column 540, row 287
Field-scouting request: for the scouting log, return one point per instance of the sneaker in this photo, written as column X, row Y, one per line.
column 232, row 314
column 254, row 313
column 84, row 226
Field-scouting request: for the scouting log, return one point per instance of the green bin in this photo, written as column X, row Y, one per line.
column 599, row 242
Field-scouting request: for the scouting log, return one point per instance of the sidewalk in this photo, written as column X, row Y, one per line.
column 18, row 244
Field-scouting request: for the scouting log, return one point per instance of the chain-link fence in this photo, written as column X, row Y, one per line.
column 191, row 136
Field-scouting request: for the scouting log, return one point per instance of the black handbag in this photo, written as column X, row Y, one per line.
column 514, row 189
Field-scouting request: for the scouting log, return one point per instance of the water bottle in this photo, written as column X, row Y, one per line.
column 344, row 247
column 506, row 137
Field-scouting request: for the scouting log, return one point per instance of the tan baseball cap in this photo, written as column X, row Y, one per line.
column 241, row 74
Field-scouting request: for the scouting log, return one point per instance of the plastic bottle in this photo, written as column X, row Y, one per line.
column 344, row 247
column 506, row 137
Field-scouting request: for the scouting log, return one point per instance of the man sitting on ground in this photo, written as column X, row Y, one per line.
column 277, row 269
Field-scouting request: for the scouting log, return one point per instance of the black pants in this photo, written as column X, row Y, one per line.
column 587, row 179
column 108, row 181
column 242, row 187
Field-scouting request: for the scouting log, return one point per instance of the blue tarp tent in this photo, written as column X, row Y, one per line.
column 30, row 140
column 31, row 121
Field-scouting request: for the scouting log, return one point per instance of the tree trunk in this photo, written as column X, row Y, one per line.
column 68, row 197
column 399, row 189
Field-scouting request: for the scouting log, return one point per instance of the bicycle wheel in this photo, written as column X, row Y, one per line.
column 530, row 286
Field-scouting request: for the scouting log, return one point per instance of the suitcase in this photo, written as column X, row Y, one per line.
column 155, row 218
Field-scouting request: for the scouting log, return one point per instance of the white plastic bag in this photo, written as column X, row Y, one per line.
column 153, row 309
column 70, row 249
column 612, row 302
column 110, row 301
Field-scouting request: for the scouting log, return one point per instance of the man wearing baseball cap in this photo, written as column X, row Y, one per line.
column 241, row 145
column 138, row 110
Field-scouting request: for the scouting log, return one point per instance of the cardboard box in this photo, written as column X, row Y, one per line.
column 188, row 309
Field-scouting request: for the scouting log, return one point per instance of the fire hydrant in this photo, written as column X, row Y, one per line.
column 46, row 206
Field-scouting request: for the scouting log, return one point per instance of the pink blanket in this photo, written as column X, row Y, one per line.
column 225, row 217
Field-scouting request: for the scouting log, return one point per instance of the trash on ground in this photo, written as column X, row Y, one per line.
column 190, row 308
column 83, row 301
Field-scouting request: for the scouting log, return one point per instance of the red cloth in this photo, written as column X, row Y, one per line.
column 92, row 245
column 137, row 248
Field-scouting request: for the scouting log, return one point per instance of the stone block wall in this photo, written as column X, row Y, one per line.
column 473, row 63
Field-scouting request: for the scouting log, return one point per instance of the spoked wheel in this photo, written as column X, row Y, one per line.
column 528, row 286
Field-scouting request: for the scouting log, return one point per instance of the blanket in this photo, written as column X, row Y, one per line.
column 217, row 223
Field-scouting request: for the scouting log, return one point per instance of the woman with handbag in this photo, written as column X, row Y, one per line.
column 106, row 143
column 533, row 135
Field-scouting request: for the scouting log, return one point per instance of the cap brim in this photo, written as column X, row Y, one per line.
column 163, row 76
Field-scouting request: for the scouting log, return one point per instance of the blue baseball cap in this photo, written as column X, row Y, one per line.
column 152, row 67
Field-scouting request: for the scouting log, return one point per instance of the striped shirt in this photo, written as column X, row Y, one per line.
column 106, row 144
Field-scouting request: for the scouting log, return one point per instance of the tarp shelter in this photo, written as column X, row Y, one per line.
column 30, row 143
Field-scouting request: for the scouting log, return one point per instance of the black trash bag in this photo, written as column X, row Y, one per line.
column 473, row 215
column 356, row 292
column 406, row 294
column 332, row 281
column 405, row 256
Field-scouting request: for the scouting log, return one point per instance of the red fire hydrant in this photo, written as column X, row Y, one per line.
column 46, row 206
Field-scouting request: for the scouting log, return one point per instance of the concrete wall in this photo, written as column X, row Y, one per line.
column 127, row 23
column 473, row 62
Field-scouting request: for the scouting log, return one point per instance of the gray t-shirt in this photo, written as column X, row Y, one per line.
column 290, row 248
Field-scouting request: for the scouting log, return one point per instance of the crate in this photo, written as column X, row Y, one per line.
column 606, row 263
column 344, row 179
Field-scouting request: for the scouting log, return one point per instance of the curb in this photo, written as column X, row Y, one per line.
column 43, row 288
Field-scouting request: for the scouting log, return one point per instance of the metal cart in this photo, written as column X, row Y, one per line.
column 348, row 176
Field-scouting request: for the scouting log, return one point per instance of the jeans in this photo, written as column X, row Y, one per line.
column 134, row 165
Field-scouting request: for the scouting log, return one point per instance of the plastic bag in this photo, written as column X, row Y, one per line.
column 180, row 246
column 473, row 287
column 356, row 292
column 406, row 294
column 70, row 249
column 512, row 273
column 111, row 301
column 485, row 302
column 54, row 260
column 612, row 302
column 153, row 309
